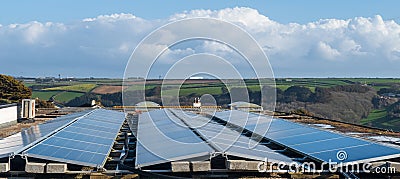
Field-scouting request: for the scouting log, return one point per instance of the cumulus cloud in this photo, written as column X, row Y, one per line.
column 326, row 51
column 101, row 46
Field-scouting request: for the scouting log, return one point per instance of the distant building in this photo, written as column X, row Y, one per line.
column 391, row 95
column 147, row 105
column 197, row 103
column 196, row 78
column 28, row 109
column 245, row 106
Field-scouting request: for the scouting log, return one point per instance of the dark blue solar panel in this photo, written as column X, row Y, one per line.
column 18, row 142
column 85, row 142
column 307, row 138
column 67, row 155
column 318, row 144
column 162, row 139
column 229, row 141
column 358, row 153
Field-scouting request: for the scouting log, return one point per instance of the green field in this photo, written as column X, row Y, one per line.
column 374, row 80
column 197, row 91
column 79, row 87
column 374, row 115
column 44, row 95
column 67, row 96
column 380, row 118
column 139, row 87
column 59, row 96
column 281, row 83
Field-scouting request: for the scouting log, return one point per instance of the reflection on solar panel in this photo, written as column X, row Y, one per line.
column 19, row 141
column 228, row 141
column 86, row 141
column 159, row 140
column 314, row 143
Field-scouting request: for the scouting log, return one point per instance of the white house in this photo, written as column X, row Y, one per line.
column 8, row 114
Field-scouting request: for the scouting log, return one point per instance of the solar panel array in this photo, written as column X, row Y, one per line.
column 17, row 142
column 160, row 139
column 312, row 142
column 86, row 141
column 229, row 141
column 86, row 138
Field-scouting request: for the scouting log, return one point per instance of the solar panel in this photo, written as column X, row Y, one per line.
column 229, row 141
column 160, row 140
column 17, row 142
column 87, row 141
column 312, row 142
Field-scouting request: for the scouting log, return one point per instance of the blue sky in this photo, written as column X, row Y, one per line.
column 314, row 38
column 284, row 11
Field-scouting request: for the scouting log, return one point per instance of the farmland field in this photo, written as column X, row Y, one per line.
column 106, row 89
column 44, row 95
column 79, row 88
column 374, row 115
column 198, row 91
column 67, row 96
column 59, row 96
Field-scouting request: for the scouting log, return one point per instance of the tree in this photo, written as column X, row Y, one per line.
column 321, row 95
column 44, row 104
column 297, row 93
column 12, row 90
column 224, row 90
column 83, row 100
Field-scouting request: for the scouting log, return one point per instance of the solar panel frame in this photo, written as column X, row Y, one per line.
column 279, row 134
column 151, row 144
column 233, row 143
column 29, row 136
column 93, row 149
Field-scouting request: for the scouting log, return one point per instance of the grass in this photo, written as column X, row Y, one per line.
column 282, row 87
column 66, row 96
column 375, row 80
column 29, row 84
column 78, row 87
column 198, row 91
column 377, row 88
column 379, row 118
column 44, row 95
column 312, row 82
column 374, row 115
column 139, row 87
column 60, row 96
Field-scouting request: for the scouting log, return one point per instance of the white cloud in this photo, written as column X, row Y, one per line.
column 215, row 47
column 326, row 51
column 111, row 18
column 106, row 42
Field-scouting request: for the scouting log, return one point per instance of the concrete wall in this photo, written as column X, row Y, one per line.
column 201, row 166
column 35, row 167
column 56, row 168
column 180, row 166
column 242, row 165
column 8, row 114
column 4, row 167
